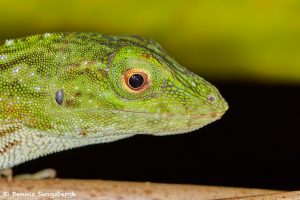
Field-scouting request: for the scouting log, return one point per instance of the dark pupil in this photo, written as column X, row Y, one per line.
column 136, row 80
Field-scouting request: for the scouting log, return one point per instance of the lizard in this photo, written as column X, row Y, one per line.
column 64, row 90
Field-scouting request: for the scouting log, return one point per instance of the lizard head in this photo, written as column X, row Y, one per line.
column 103, row 86
column 126, row 85
column 155, row 95
column 56, row 89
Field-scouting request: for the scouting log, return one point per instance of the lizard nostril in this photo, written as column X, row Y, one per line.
column 211, row 98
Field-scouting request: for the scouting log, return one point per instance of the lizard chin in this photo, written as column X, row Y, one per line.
column 195, row 122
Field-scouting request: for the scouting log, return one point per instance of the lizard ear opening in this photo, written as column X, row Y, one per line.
column 59, row 97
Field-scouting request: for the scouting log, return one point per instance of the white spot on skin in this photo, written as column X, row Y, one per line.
column 16, row 70
column 193, row 84
column 9, row 42
column 32, row 74
column 47, row 34
column 37, row 88
column 3, row 57
column 106, row 69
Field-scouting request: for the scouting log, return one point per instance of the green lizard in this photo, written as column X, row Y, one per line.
column 64, row 90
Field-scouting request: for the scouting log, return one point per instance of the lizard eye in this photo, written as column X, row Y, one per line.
column 136, row 81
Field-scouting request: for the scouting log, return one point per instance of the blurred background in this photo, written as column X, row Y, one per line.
column 249, row 49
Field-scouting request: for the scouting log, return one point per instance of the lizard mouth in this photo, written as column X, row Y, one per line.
column 213, row 115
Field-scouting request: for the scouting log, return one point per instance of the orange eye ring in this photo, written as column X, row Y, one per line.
column 136, row 80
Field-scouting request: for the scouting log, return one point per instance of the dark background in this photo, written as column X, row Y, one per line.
column 255, row 144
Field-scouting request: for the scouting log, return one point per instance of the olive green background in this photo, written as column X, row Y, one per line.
column 249, row 40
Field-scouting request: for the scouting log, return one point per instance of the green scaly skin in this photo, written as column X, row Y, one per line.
column 98, row 106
